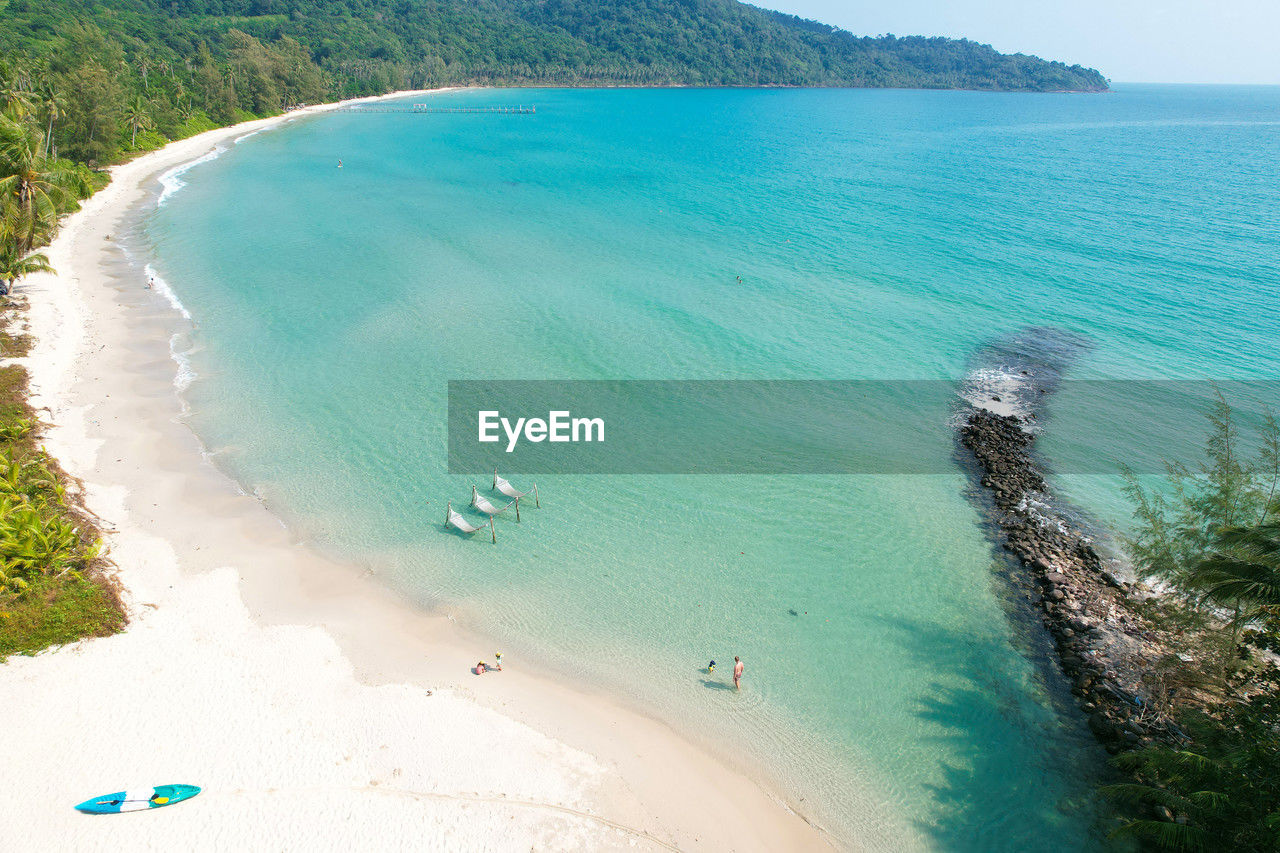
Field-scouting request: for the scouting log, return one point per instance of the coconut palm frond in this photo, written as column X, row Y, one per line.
column 1164, row 835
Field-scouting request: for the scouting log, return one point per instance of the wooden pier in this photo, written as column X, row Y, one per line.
column 427, row 109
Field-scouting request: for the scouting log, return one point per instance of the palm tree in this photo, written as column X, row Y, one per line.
column 21, row 228
column 1242, row 574
column 1221, row 791
column 144, row 62
column 53, row 103
column 15, row 100
column 1242, row 570
column 136, row 118
column 14, row 266
column 38, row 187
column 181, row 102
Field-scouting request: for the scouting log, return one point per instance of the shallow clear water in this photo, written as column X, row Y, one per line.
column 891, row 686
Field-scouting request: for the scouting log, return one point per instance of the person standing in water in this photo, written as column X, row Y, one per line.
column 737, row 672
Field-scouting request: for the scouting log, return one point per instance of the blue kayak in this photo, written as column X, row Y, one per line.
column 139, row 799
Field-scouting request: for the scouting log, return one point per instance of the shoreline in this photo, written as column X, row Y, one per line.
column 294, row 679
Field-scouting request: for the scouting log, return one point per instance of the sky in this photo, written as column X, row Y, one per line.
column 1129, row 41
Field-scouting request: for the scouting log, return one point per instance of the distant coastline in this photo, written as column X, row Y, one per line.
column 251, row 65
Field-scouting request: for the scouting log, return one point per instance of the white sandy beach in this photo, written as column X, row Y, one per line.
column 317, row 709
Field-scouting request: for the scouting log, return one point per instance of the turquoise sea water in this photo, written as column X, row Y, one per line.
column 893, row 686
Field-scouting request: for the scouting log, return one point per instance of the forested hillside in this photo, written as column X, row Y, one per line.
column 115, row 76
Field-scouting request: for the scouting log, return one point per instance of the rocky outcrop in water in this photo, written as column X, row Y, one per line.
column 1106, row 649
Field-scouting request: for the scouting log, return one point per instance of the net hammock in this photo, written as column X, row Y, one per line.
column 501, row 485
column 456, row 519
column 481, row 503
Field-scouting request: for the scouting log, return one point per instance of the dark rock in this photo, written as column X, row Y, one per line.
column 1076, row 590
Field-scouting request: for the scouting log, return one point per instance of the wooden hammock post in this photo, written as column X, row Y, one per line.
column 473, row 494
column 517, row 510
column 536, row 502
column 495, row 479
column 448, row 511
column 491, row 533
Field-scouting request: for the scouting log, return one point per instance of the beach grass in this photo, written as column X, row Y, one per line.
column 54, row 590
column 15, row 346
column 57, row 611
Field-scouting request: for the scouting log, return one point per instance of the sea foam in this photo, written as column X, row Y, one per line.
column 172, row 179
column 999, row 390
column 159, row 285
column 186, row 374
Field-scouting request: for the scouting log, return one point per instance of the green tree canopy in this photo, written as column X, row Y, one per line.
column 222, row 59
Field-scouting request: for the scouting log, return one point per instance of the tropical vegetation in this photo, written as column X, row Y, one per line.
column 108, row 77
column 49, row 589
column 1211, row 536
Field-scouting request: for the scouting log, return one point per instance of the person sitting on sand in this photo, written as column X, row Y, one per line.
column 482, row 668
